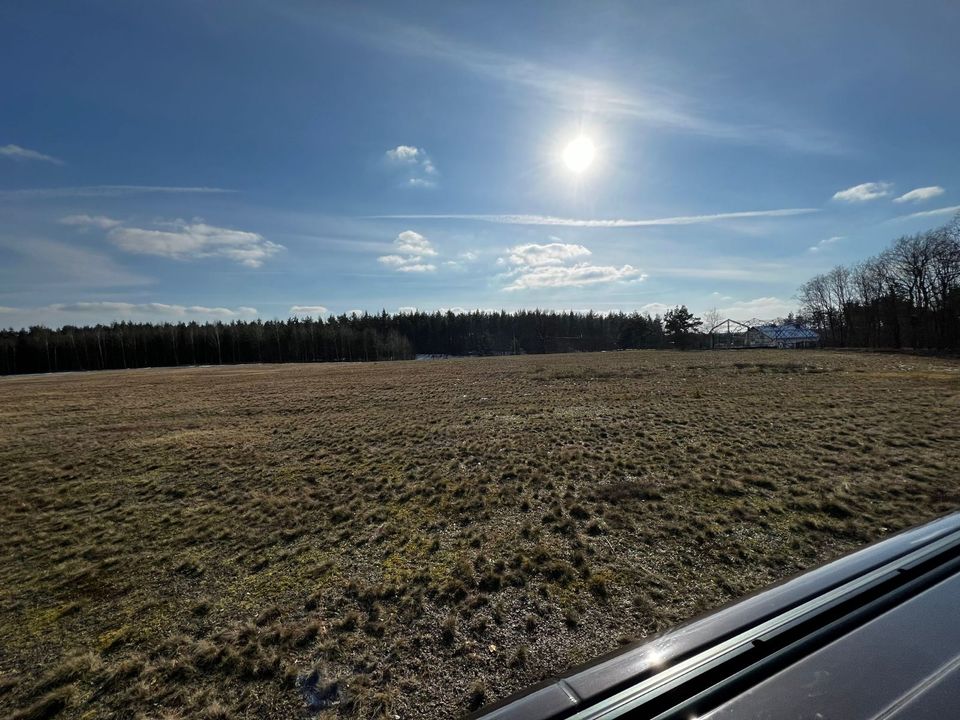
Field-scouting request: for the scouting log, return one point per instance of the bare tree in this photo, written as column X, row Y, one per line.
column 711, row 318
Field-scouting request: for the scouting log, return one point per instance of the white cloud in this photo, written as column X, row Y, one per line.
column 766, row 308
column 608, row 223
column 406, row 310
column 101, row 191
column 392, row 260
column 309, row 310
column 411, row 248
column 413, row 243
column 864, row 192
column 553, row 253
column 21, row 153
column 403, row 154
column 920, row 194
column 98, row 221
column 417, row 166
column 825, row 242
column 538, row 266
column 556, row 276
column 192, row 240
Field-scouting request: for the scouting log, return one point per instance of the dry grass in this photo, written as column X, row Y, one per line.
column 414, row 539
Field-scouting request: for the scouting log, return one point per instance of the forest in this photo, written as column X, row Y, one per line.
column 908, row 296
column 347, row 338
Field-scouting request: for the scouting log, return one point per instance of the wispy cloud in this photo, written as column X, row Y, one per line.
column 193, row 240
column 107, row 311
column 40, row 262
column 417, row 167
column 463, row 259
column 410, row 250
column 864, row 192
column 182, row 240
column 930, row 213
column 97, row 221
column 309, row 310
column 404, row 265
column 421, row 182
column 550, row 220
column 100, row 191
column 765, row 308
column 17, row 152
column 920, row 194
column 824, row 243
column 161, row 309
column 763, row 272
column 650, row 103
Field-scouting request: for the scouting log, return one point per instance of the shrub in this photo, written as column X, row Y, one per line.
column 349, row 622
column 448, row 631
column 518, row 658
column 476, row 695
column 599, row 583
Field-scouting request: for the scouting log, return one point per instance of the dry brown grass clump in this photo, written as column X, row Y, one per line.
column 416, row 539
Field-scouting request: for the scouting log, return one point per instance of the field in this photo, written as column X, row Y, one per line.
column 415, row 539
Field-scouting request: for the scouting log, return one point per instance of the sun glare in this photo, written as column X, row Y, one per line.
column 578, row 155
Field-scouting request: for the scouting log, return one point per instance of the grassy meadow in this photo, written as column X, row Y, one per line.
column 415, row 539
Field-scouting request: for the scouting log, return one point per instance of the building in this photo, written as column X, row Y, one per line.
column 733, row 334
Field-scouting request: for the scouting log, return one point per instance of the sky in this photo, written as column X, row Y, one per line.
column 232, row 159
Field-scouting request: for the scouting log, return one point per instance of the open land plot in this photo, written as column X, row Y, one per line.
column 414, row 539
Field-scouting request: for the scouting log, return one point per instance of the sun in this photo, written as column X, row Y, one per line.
column 579, row 154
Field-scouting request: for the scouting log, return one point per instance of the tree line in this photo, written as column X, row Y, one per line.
column 908, row 296
column 344, row 338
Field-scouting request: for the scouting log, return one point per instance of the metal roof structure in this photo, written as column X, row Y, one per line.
column 791, row 333
column 755, row 333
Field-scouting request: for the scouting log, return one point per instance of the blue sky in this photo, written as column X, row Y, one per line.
column 186, row 160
